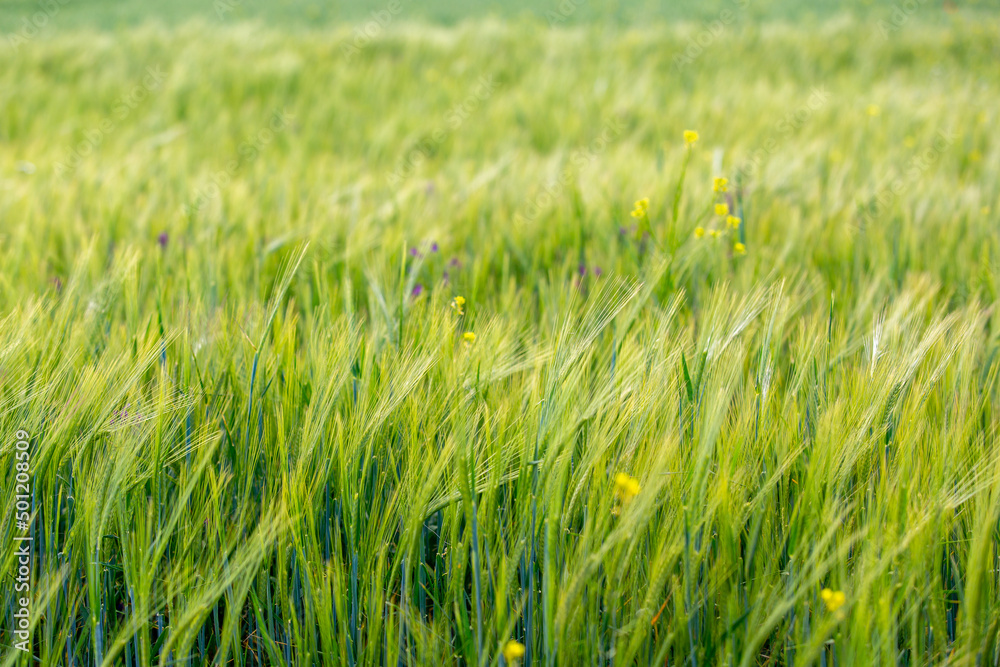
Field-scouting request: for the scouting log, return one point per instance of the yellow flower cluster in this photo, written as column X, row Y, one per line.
column 834, row 600
column 458, row 305
column 690, row 136
column 626, row 486
column 513, row 651
column 721, row 184
column 641, row 207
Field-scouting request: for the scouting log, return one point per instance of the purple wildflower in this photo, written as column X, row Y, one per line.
column 583, row 269
column 163, row 239
column 418, row 289
column 597, row 272
column 454, row 262
column 414, row 252
column 434, row 246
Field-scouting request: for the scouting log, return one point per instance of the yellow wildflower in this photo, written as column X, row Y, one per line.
column 733, row 221
column 513, row 650
column 458, row 305
column 690, row 136
column 874, row 110
column 715, row 233
column 721, row 209
column 626, row 486
column 699, row 232
column 719, row 184
column 739, row 248
column 834, row 600
column 640, row 209
column 469, row 337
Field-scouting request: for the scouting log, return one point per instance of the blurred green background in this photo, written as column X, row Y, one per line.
column 107, row 14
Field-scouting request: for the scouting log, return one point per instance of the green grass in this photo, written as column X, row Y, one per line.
column 252, row 443
column 53, row 16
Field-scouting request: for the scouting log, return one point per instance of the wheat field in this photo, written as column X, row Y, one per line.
column 511, row 341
